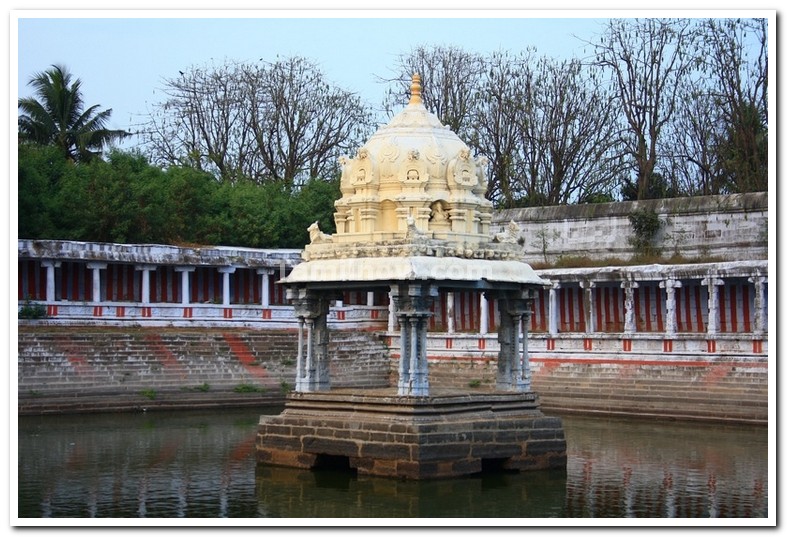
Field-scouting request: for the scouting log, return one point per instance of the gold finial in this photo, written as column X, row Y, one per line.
column 415, row 89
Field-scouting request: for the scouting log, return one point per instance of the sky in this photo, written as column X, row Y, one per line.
column 126, row 72
column 123, row 57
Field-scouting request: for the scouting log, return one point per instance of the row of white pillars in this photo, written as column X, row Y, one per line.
column 185, row 286
column 669, row 285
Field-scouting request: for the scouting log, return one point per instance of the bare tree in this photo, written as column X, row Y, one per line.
column 202, row 122
column 570, row 135
column 301, row 123
column 734, row 57
column 449, row 82
column 273, row 121
column 648, row 60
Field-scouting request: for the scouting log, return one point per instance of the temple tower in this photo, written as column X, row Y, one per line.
column 413, row 221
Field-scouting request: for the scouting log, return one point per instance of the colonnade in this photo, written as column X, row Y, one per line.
column 145, row 270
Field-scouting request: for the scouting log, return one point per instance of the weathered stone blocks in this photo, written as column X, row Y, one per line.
column 381, row 433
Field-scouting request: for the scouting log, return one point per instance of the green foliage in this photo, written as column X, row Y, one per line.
column 32, row 310
column 149, row 393
column 125, row 199
column 248, row 388
column 645, row 224
column 57, row 117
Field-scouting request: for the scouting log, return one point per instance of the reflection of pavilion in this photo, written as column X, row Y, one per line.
column 413, row 221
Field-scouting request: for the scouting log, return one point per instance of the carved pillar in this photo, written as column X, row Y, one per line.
column 96, row 268
column 145, row 291
column 713, row 284
column 413, row 304
column 630, row 321
column 760, row 303
column 513, row 364
column 185, row 290
column 670, row 322
column 312, row 367
column 590, row 314
column 391, row 313
column 449, row 312
column 50, row 279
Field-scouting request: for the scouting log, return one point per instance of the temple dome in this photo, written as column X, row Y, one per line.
column 413, row 189
column 416, row 173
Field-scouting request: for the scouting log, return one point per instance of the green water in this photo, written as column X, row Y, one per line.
column 202, row 464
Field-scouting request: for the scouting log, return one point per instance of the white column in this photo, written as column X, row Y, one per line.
column 630, row 324
column 265, row 284
column 670, row 322
column 226, row 271
column 760, row 303
column 185, row 290
column 713, row 284
column 590, row 313
column 370, row 298
column 553, row 308
column 96, row 268
column 484, row 309
column 146, row 270
column 449, row 312
column 50, row 279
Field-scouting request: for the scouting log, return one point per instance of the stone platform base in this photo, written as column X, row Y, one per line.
column 377, row 432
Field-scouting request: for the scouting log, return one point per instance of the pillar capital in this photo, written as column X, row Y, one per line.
column 227, row 270
column 96, row 265
column 50, row 263
column 670, row 283
column 587, row 284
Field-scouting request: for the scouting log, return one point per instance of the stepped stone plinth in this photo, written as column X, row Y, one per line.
column 377, row 432
column 413, row 221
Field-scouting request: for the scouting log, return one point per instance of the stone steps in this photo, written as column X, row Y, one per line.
column 85, row 362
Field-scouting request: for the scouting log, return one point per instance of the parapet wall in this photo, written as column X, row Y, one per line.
column 729, row 228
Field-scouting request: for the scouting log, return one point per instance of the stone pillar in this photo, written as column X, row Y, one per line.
column 513, row 364
column 370, row 298
column 265, row 286
column 588, row 305
column 449, row 312
column 96, row 268
column 552, row 309
column 185, row 288
column 630, row 321
column 391, row 313
column 145, row 291
column 670, row 322
column 413, row 304
column 312, row 372
column 50, row 279
column 484, row 309
column 713, row 303
column 760, row 303
column 225, row 284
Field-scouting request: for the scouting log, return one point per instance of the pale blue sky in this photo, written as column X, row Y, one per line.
column 123, row 56
column 122, row 61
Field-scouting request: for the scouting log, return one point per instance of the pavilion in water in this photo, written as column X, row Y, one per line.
column 413, row 220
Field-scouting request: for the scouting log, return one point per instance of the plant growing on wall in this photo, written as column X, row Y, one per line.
column 544, row 238
column 645, row 224
column 32, row 310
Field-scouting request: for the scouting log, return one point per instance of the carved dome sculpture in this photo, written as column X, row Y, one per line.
column 413, row 208
column 414, row 188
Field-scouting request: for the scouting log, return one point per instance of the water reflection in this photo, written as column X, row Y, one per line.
column 289, row 493
column 202, row 464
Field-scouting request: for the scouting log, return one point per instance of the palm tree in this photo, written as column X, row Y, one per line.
column 56, row 117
